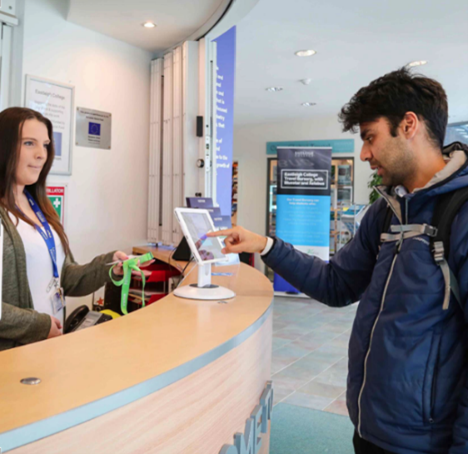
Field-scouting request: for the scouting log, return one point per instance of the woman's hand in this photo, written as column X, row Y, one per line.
column 118, row 269
column 55, row 328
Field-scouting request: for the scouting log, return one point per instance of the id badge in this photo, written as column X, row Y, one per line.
column 57, row 300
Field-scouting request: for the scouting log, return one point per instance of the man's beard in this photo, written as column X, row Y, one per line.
column 399, row 165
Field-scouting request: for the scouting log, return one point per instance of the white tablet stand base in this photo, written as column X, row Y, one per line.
column 204, row 289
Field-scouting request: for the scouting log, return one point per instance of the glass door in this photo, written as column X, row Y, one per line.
column 342, row 197
column 271, row 205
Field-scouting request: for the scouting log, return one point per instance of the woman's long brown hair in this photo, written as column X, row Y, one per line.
column 11, row 127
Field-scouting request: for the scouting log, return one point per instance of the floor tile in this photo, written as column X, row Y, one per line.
column 322, row 389
column 278, row 343
column 309, row 401
column 305, row 366
column 278, row 364
column 308, row 344
column 332, row 377
column 281, row 392
column 292, row 333
column 290, row 352
column 310, row 348
column 337, row 407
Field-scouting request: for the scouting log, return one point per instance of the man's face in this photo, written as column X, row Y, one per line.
column 390, row 156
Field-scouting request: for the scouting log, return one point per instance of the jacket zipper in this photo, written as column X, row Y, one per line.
column 372, row 336
column 382, row 305
column 434, row 386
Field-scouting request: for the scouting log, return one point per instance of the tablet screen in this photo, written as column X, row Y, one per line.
column 198, row 226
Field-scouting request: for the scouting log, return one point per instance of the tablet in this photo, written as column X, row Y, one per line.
column 196, row 223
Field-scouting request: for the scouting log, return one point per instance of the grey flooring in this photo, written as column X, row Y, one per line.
column 310, row 353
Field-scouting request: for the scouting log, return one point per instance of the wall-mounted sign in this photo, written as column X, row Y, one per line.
column 93, row 128
column 55, row 101
column 56, row 194
column 224, row 113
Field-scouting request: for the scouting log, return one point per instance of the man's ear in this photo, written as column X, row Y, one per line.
column 410, row 125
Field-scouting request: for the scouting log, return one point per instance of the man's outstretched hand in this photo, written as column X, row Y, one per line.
column 240, row 240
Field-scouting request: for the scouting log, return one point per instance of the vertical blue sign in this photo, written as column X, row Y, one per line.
column 226, row 66
column 303, row 202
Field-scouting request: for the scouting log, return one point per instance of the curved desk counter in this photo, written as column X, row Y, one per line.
column 178, row 376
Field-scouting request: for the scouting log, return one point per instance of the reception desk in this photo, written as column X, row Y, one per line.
column 178, row 376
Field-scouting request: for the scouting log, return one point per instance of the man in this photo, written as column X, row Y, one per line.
column 407, row 382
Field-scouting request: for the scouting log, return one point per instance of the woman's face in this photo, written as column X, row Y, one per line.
column 34, row 143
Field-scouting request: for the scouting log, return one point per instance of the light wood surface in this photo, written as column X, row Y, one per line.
column 92, row 364
column 196, row 415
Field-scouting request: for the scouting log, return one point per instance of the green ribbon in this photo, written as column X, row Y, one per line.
column 129, row 266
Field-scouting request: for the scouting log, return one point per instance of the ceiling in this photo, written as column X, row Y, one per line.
column 176, row 20
column 356, row 42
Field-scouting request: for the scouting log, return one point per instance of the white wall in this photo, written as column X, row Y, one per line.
column 107, row 191
column 250, row 150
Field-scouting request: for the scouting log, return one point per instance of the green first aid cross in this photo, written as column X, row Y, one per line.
column 57, row 203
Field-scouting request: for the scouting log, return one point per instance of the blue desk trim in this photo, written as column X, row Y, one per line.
column 50, row 426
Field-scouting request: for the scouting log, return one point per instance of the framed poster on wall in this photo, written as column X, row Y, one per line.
column 54, row 100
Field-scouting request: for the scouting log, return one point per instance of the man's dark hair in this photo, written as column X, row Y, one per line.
column 394, row 94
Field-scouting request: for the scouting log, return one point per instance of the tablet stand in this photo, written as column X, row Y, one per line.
column 204, row 289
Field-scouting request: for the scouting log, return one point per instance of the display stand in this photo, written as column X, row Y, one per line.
column 204, row 289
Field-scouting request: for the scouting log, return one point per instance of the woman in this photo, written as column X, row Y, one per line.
column 38, row 266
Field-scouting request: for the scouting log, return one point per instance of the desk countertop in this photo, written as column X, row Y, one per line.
column 93, row 371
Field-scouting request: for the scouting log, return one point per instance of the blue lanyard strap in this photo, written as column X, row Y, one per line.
column 47, row 235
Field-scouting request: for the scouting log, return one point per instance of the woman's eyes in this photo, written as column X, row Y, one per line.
column 29, row 143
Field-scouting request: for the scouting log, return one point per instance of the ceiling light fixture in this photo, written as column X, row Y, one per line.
column 274, row 89
column 149, row 24
column 305, row 53
column 309, row 104
column 306, row 81
column 417, row 63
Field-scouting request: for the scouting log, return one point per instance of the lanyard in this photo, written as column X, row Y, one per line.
column 128, row 266
column 47, row 235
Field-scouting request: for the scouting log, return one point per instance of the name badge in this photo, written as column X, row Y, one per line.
column 57, row 300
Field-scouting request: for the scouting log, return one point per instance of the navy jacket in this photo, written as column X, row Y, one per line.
column 408, row 358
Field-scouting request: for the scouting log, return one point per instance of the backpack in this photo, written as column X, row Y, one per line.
column 439, row 232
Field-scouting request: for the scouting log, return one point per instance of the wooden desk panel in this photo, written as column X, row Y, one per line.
column 80, row 370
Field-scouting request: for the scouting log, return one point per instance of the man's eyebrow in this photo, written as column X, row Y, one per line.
column 364, row 133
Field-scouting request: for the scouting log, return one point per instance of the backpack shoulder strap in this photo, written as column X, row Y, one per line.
column 387, row 219
column 445, row 211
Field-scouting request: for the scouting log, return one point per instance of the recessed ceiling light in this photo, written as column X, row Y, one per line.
column 417, row 63
column 274, row 89
column 305, row 53
column 149, row 24
column 308, row 104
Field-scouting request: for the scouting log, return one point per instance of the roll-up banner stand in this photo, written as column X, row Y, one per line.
column 303, row 203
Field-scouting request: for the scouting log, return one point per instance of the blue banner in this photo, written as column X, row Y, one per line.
column 226, row 65
column 303, row 203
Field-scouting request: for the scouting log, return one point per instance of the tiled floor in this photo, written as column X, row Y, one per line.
column 310, row 353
